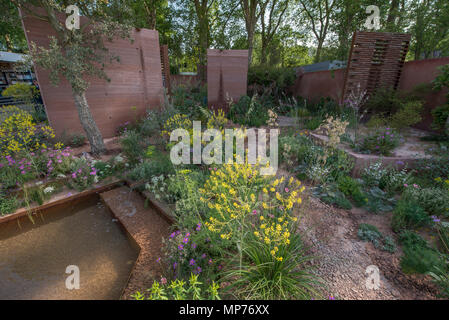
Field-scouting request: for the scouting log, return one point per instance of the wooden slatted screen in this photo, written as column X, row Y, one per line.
column 376, row 60
column 165, row 66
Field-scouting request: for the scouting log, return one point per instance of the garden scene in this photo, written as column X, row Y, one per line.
column 224, row 150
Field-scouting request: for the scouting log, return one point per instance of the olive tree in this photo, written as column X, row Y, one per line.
column 76, row 52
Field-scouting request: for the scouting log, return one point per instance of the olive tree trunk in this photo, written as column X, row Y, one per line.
column 90, row 127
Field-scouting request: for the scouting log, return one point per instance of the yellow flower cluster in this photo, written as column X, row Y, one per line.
column 440, row 180
column 279, row 198
column 18, row 132
column 217, row 120
column 229, row 193
column 286, row 197
column 236, row 194
column 178, row 121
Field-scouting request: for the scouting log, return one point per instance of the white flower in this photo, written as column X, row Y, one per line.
column 49, row 190
column 39, row 183
column 60, row 175
column 96, row 179
column 119, row 158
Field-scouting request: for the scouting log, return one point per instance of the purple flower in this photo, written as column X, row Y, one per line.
column 199, row 270
column 172, row 235
column 194, row 245
column 435, row 219
column 210, row 261
column 175, row 265
column 203, row 256
column 185, row 240
column 192, row 262
column 198, row 227
column 158, row 260
column 181, row 247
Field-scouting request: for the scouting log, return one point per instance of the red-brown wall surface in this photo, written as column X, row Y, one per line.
column 424, row 71
column 135, row 82
column 314, row 85
column 227, row 71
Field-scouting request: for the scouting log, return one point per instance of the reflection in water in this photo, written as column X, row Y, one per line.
column 33, row 258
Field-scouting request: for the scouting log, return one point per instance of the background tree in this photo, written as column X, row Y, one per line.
column 318, row 14
column 251, row 14
column 77, row 54
column 12, row 38
column 272, row 15
column 430, row 27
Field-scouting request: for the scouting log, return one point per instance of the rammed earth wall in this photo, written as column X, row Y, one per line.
column 136, row 82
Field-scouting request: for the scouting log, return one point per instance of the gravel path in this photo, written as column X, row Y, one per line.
column 342, row 259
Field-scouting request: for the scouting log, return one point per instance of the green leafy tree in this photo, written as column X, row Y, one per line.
column 318, row 14
column 272, row 14
column 430, row 27
column 78, row 53
column 12, row 37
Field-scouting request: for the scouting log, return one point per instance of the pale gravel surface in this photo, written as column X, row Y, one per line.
column 341, row 258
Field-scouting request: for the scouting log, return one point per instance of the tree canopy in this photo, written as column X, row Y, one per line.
column 277, row 32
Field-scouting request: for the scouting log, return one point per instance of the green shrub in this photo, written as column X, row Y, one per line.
column 21, row 91
column 133, row 146
column 73, row 140
column 385, row 100
column 382, row 142
column 332, row 196
column 378, row 201
column 179, row 290
column 432, row 168
column 351, row 187
column 347, row 185
column 441, row 275
column 409, row 215
column 264, row 278
column 249, row 111
column 434, row 201
column 393, row 181
column 8, row 204
column 276, row 78
column 370, row 233
column 160, row 165
column 418, row 256
column 313, row 124
column 377, row 121
column 440, row 115
column 408, row 115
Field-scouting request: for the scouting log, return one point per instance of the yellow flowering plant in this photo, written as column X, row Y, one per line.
column 19, row 133
column 178, row 121
column 244, row 204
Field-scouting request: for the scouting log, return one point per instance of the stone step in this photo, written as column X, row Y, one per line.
column 147, row 227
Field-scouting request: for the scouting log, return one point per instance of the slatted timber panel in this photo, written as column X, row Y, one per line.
column 376, row 60
column 135, row 82
column 165, row 65
column 227, row 76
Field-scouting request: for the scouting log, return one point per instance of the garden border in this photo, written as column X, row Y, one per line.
column 362, row 161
